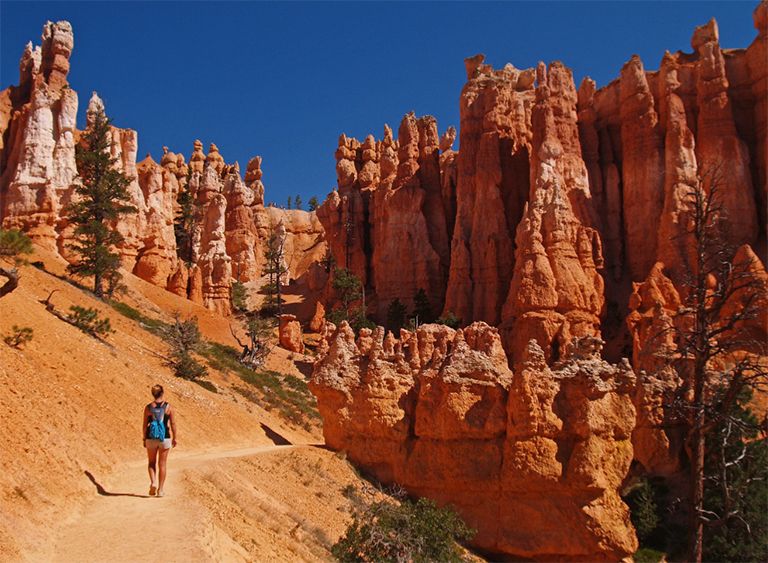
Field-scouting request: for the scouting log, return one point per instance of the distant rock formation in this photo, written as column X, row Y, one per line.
column 532, row 458
column 37, row 152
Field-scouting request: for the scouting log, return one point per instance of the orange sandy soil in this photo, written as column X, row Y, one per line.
column 73, row 483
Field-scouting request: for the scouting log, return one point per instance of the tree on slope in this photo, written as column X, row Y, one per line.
column 721, row 344
column 102, row 198
column 186, row 224
column 275, row 269
column 13, row 243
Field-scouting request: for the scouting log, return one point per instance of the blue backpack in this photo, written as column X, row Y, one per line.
column 157, row 426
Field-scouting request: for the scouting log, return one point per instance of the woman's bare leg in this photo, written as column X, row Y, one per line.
column 161, row 468
column 152, row 465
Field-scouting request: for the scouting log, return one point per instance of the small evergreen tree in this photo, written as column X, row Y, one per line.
column 329, row 260
column 13, row 243
column 350, row 290
column 449, row 319
column 422, row 310
column 644, row 512
column 186, row 222
column 87, row 320
column 239, row 296
column 290, row 201
column 298, row 202
column 396, row 316
column 103, row 197
column 19, row 336
column 274, row 269
column 313, row 203
column 184, row 338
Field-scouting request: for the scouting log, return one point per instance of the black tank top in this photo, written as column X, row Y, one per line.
column 150, row 418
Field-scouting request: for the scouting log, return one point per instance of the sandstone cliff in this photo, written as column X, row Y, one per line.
column 622, row 157
column 533, row 458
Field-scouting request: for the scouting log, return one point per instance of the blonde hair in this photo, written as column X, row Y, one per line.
column 157, row 391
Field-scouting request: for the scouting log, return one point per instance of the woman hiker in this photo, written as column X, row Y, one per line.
column 158, row 424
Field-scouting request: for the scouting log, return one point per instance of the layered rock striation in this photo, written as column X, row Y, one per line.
column 532, row 458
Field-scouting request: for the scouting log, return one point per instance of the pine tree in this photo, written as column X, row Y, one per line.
column 298, row 202
column 274, row 269
column 186, row 222
column 718, row 356
column 290, row 201
column 102, row 198
column 13, row 243
column 422, row 310
column 396, row 316
column 313, row 203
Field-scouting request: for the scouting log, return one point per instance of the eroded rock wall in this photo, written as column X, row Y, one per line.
column 390, row 218
column 533, row 458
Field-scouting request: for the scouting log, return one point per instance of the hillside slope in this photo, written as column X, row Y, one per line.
column 71, row 448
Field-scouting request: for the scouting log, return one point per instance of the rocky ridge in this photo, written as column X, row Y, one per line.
column 531, row 457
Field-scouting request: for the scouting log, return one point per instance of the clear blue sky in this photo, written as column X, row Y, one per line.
column 284, row 80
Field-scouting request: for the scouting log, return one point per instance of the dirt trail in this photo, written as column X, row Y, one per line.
column 124, row 524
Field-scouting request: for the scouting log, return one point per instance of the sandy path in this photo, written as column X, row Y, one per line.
column 122, row 524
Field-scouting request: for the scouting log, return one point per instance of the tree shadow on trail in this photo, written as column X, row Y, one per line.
column 103, row 492
column 276, row 438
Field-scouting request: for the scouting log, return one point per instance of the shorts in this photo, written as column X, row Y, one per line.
column 159, row 444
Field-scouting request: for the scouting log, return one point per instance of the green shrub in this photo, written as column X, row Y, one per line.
column 206, row 385
column 647, row 555
column 19, row 336
column 12, row 243
column 87, row 320
column 239, row 296
column 644, row 512
column 417, row 532
column 449, row 320
column 396, row 316
column 186, row 367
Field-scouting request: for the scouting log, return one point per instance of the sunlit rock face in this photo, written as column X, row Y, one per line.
column 38, row 131
column 559, row 197
column 531, row 457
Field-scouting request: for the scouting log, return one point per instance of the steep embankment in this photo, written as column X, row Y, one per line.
column 70, row 410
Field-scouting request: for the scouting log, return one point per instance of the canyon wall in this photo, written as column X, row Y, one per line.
column 532, row 458
column 558, row 198
column 38, row 136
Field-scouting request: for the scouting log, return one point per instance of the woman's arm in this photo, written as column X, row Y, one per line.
column 144, row 426
column 172, row 420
